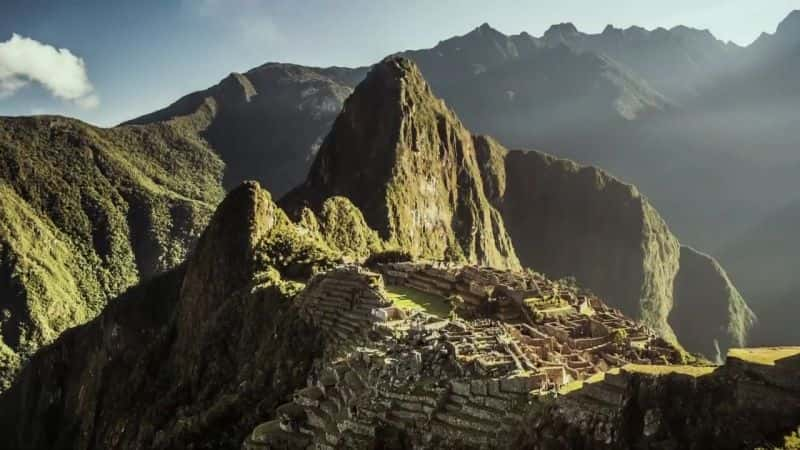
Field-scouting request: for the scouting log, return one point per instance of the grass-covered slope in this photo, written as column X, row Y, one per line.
column 86, row 213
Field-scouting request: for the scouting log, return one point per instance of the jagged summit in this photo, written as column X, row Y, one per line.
column 483, row 29
column 790, row 26
column 403, row 157
column 224, row 254
column 611, row 30
column 266, row 123
column 563, row 29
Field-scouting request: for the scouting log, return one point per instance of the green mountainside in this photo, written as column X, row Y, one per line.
column 195, row 354
column 87, row 213
column 201, row 355
column 413, row 173
column 219, row 319
column 92, row 211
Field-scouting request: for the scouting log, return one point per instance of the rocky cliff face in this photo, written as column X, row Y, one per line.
column 402, row 157
column 744, row 404
column 709, row 311
column 571, row 220
column 86, row 213
column 189, row 359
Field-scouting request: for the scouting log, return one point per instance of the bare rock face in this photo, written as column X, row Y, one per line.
column 401, row 156
column 709, row 311
column 742, row 404
column 572, row 220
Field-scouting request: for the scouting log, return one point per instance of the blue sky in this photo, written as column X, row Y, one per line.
column 142, row 55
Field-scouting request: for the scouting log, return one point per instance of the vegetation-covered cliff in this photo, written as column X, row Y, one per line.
column 189, row 359
column 571, row 220
column 88, row 212
column 402, row 157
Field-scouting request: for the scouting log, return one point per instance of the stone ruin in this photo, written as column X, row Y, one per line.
column 462, row 381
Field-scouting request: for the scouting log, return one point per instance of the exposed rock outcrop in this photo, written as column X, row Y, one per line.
column 401, row 156
column 744, row 404
column 571, row 220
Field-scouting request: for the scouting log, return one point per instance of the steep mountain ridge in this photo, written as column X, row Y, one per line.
column 520, row 81
column 267, row 123
column 571, row 220
column 88, row 212
column 196, row 354
column 765, row 260
column 694, row 56
column 708, row 307
column 412, row 172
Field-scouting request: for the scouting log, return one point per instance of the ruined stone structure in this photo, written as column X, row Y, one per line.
column 462, row 381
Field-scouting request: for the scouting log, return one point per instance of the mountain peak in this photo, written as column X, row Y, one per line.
column 565, row 29
column 484, row 29
column 405, row 159
column 395, row 78
column 224, row 256
column 790, row 26
column 398, row 67
column 611, row 30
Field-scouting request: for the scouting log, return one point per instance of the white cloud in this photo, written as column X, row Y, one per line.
column 24, row 60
